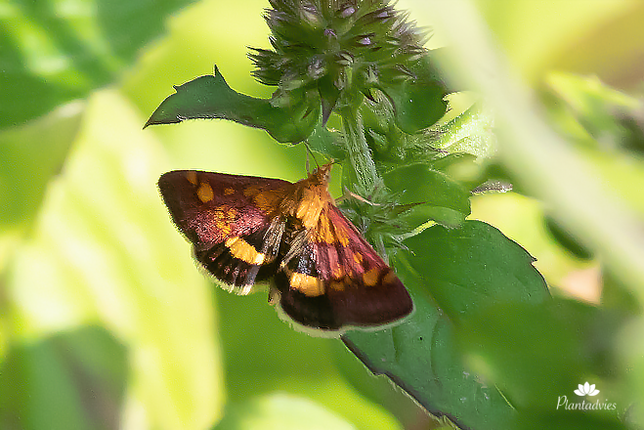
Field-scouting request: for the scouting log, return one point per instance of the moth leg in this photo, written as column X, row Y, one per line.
column 350, row 194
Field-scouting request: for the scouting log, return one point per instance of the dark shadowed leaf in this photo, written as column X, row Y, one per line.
column 421, row 357
column 566, row 240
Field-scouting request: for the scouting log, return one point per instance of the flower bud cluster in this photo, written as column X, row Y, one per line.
column 339, row 48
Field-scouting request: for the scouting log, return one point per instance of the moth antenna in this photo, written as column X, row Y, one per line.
column 309, row 151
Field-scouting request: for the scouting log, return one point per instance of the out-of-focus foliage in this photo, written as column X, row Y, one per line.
column 96, row 255
column 29, row 157
column 104, row 320
column 54, row 51
column 280, row 412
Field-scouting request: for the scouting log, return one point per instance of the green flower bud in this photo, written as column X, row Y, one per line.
column 339, row 48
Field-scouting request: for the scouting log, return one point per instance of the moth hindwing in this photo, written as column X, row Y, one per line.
column 245, row 230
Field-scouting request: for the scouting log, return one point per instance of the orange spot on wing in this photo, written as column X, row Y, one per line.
column 229, row 191
column 308, row 285
column 205, row 192
column 324, row 232
column 266, row 200
column 342, row 236
column 241, row 249
column 357, row 258
column 390, row 278
column 327, row 232
column 370, row 277
column 191, row 176
column 310, row 205
column 337, row 285
column 223, row 219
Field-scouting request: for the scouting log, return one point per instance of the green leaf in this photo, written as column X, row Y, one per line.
column 327, row 142
column 617, row 297
column 378, row 390
column 417, row 105
column 461, row 167
column 470, row 132
column 450, row 274
column 419, row 101
column 588, row 97
column 630, row 351
column 422, row 358
column 52, row 53
column 538, row 354
column 280, row 412
column 473, row 266
column 443, row 199
column 73, row 380
column 210, row 96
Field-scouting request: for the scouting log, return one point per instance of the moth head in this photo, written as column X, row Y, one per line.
column 323, row 173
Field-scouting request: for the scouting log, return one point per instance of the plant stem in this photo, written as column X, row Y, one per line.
column 359, row 154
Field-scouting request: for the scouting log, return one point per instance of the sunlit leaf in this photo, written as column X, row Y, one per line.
column 470, row 132
column 599, row 109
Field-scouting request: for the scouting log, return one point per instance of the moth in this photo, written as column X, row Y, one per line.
column 247, row 230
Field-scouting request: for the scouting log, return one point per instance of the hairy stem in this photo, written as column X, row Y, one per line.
column 359, row 154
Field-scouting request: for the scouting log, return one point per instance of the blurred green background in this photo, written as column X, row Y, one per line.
column 105, row 320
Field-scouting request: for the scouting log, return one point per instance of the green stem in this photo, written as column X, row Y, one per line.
column 359, row 154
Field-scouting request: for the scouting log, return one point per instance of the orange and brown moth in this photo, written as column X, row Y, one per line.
column 247, row 230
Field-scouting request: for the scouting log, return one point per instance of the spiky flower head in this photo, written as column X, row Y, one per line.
column 339, row 48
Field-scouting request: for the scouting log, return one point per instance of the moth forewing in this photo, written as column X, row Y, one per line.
column 246, row 230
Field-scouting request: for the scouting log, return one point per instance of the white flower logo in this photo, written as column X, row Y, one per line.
column 586, row 390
